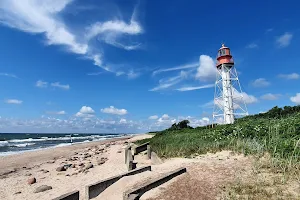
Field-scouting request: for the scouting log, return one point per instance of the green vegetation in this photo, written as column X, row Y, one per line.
column 275, row 134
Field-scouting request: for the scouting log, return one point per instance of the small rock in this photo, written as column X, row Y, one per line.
column 81, row 164
column 67, row 166
column 100, row 162
column 61, row 168
column 75, row 173
column 46, row 171
column 119, row 151
column 43, row 177
column 89, row 165
column 8, row 172
column 107, row 145
column 125, row 142
column 60, row 173
column 24, row 167
column 67, row 174
column 31, row 180
column 42, row 188
column 86, row 171
column 28, row 174
column 17, row 193
column 73, row 165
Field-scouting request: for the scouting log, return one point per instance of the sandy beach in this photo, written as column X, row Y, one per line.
column 106, row 159
column 88, row 163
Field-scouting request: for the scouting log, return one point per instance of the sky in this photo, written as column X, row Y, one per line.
column 132, row 66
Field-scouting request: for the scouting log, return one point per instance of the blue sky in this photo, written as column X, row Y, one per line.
column 135, row 66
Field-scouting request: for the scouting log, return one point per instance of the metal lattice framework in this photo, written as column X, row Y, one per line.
column 239, row 105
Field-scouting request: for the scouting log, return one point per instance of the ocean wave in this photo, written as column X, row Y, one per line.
column 91, row 137
column 23, row 145
column 3, row 143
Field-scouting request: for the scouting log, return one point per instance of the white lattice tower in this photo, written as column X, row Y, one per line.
column 228, row 100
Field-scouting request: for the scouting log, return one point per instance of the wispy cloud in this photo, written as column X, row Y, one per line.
column 8, row 75
column 291, row 76
column 94, row 73
column 153, row 117
column 186, row 66
column 45, row 18
column 169, row 82
column 270, row 96
column 284, row 40
column 61, row 86
column 252, row 46
column 260, row 82
column 269, row 30
column 41, row 84
column 62, row 112
column 13, row 101
column 195, row 88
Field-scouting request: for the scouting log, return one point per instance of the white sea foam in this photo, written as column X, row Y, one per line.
column 23, row 144
column 92, row 137
column 3, row 143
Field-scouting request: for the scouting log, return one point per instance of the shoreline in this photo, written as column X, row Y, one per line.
column 15, row 160
column 62, row 168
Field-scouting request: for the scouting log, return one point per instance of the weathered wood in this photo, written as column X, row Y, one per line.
column 136, row 192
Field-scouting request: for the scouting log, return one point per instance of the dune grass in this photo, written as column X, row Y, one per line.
column 275, row 133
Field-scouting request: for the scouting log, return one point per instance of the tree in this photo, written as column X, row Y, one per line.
column 183, row 124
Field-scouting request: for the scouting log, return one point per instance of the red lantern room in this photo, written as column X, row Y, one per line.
column 224, row 56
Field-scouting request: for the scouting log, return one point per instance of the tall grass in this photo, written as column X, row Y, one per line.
column 279, row 137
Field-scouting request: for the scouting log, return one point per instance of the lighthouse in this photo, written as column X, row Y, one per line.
column 228, row 100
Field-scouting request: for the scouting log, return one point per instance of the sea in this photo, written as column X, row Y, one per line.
column 14, row 143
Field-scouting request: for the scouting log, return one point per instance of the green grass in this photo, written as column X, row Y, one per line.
column 275, row 133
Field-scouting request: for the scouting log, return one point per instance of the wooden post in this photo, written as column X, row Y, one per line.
column 149, row 152
column 128, row 148
column 129, row 160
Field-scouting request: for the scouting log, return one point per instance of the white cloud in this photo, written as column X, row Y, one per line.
column 44, row 17
column 296, row 99
column 207, row 69
column 187, row 66
column 194, row 122
column 62, row 112
column 252, row 46
column 165, row 116
column 195, row 88
column 238, row 99
column 86, row 112
column 123, row 121
column 13, row 101
column 61, row 86
column 131, row 74
column 169, row 82
column 114, row 111
column 260, row 82
column 111, row 31
column 289, row 76
column 8, row 75
column 284, row 40
column 270, row 96
column 249, row 99
column 41, row 84
column 153, row 117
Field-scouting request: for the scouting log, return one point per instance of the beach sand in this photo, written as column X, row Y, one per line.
column 107, row 158
column 206, row 174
